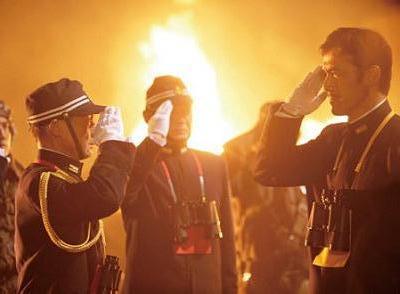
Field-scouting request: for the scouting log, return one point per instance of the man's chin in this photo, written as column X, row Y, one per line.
column 177, row 140
column 179, row 136
column 336, row 109
column 337, row 112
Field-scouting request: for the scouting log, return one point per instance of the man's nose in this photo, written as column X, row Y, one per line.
column 329, row 83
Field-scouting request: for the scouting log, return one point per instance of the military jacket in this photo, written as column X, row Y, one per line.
column 152, row 265
column 270, row 230
column 373, row 193
column 10, row 171
column 73, row 206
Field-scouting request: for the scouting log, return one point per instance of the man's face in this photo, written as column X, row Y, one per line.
column 343, row 82
column 5, row 135
column 180, row 122
column 81, row 126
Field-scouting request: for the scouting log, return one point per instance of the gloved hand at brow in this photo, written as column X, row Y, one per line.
column 109, row 127
column 308, row 96
column 158, row 124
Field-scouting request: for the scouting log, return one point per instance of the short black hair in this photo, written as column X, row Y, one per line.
column 367, row 48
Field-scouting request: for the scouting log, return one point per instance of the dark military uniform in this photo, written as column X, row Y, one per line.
column 278, row 258
column 10, row 171
column 152, row 264
column 73, row 207
column 271, row 227
column 373, row 195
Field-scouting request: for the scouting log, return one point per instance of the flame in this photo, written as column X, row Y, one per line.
column 311, row 128
column 174, row 50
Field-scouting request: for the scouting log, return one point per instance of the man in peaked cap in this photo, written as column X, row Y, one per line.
column 177, row 212
column 62, row 104
column 10, row 171
column 59, row 235
column 351, row 169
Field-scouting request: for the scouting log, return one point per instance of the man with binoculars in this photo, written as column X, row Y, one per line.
column 352, row 170
column 177, row 212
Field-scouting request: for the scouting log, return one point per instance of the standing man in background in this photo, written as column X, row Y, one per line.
column 177, row 211
column 352, row 169
column 10, row 172
column 270, row 230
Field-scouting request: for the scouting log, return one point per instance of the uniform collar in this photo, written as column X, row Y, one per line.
column 174, row 151
column 61, row 161
column 371, row 120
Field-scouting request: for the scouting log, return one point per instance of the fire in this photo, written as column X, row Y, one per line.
column 311, row 128
column 174, row 50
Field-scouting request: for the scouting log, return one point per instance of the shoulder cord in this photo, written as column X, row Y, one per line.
column 72, row 248
column 371, row 141
column 200, row 175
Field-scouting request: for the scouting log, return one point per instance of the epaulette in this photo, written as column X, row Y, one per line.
column 54, row 237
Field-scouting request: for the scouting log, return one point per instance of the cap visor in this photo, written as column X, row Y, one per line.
column 88, row 109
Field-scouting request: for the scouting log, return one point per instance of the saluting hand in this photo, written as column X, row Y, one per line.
column 158, row 124
column 109, row 127
column 308, row 96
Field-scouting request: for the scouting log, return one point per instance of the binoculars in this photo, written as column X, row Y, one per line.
column 108, row 277
column 329, row 223
column 195, row 213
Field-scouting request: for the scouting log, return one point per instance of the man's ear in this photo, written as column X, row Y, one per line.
column 372, row 75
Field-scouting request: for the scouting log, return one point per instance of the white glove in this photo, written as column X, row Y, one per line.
column 109, row 127
column 308, row 96
column 158, row 124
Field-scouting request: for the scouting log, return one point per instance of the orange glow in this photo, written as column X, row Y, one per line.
column 311, row 128
column 174, row 50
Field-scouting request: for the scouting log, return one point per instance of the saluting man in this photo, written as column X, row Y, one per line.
column 59, row 235
column 177, row 212
column 352, row 169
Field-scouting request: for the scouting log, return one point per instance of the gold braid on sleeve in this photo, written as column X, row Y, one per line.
column 72, row 248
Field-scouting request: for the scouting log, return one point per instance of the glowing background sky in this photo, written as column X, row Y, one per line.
column 234, row 55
